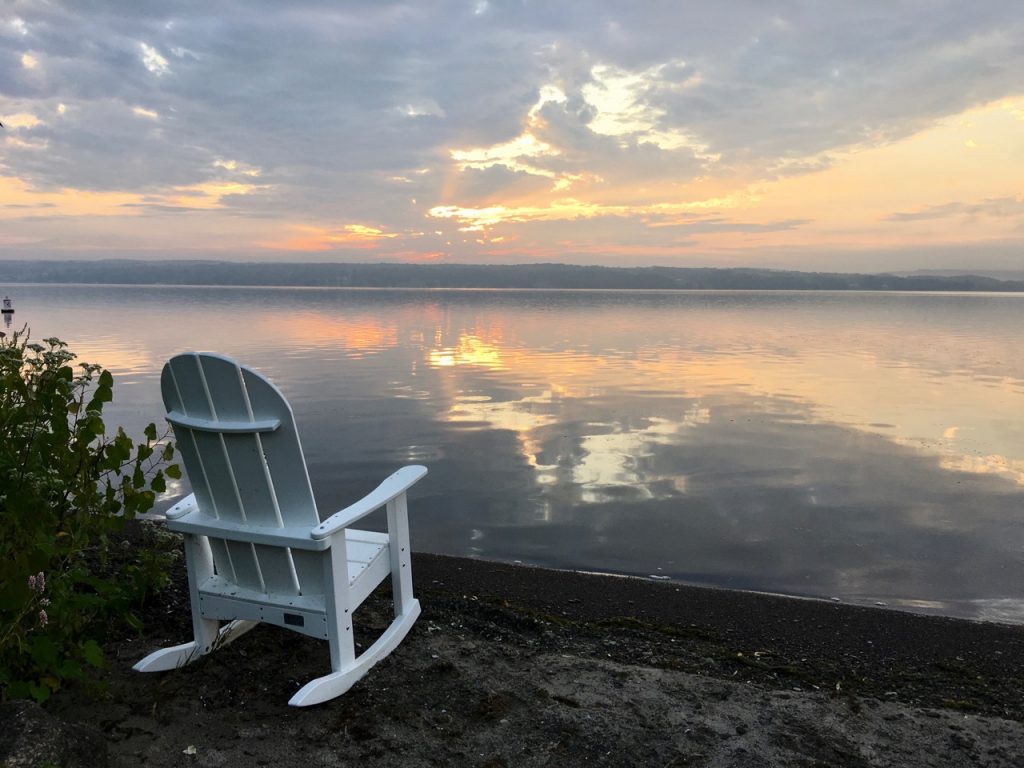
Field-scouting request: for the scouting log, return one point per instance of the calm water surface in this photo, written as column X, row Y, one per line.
column 868, row 447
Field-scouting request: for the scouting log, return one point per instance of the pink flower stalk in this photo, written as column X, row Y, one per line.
column 43, row 619
column 37, row 582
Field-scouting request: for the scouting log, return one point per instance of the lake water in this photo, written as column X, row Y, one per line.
column 868, row 447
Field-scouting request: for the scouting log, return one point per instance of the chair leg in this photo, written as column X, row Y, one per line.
column 338, row 682
column 400, row 553
column 180, row 655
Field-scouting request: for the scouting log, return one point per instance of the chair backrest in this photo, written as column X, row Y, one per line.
column 237, row 437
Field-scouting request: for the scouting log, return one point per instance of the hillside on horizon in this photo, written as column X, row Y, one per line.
column 518, row 276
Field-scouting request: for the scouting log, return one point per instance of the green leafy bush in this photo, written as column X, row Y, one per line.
column 65, row 488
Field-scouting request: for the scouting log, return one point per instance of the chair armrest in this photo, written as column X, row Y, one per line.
column 397, row 484
column 197, row 524
column 182, row 508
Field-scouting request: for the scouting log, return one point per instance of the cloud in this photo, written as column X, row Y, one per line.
column 153, row 61
column 311, row 239
column 20, row 120
column 1001, row 208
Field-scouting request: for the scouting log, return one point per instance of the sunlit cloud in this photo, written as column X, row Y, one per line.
column 71, row 202
column 20, row 120
column 312, row 238
column 549, row 94
column 424, row 108
column 149, row 114
column 474, row 219
column 30, row 144
column 28, row 61
column 622, row 110
column 511, row 154
column 153, row 61
column 1015, row 108
column 235, row 166
column 569, row 209
column 62, row 203
column 209, row 195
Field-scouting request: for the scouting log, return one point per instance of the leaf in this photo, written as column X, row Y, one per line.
column 103, row 394
column 51, row 682
column 173, row 471
column 150, row 432
column 95, row 425
column 39, row 692
column 44, row 652
column 92, row 653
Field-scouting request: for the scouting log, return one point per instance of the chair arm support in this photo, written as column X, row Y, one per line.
column 394, row 486
column 182, row 508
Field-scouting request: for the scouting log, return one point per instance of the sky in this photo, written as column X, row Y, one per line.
column 830, row 136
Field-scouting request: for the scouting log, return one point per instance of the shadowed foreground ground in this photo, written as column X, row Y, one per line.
column 513, row 666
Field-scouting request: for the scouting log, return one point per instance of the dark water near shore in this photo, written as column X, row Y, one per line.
column 868, row 447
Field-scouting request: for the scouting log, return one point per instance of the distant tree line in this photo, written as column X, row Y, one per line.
column 531, row 276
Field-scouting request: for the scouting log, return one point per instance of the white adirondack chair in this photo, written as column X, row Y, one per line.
column 255, row 547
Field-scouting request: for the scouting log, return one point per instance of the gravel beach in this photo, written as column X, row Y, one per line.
column 517, row 666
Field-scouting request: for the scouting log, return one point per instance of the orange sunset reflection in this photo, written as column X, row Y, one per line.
column 866, row 392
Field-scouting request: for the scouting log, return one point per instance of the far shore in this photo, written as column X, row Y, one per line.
column 396, row 275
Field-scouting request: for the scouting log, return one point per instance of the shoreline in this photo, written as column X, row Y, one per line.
column 514, row 665
column 901, row 605
column 879, row 646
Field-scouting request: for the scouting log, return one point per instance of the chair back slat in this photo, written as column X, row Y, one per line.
column 222, row 564
column 309, row 570
column 283, row 452
column 277, row 570
column 245, row 565
column 184, row 389
column 244, row 451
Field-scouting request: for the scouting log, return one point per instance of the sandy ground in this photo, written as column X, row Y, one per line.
column 511, row 666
